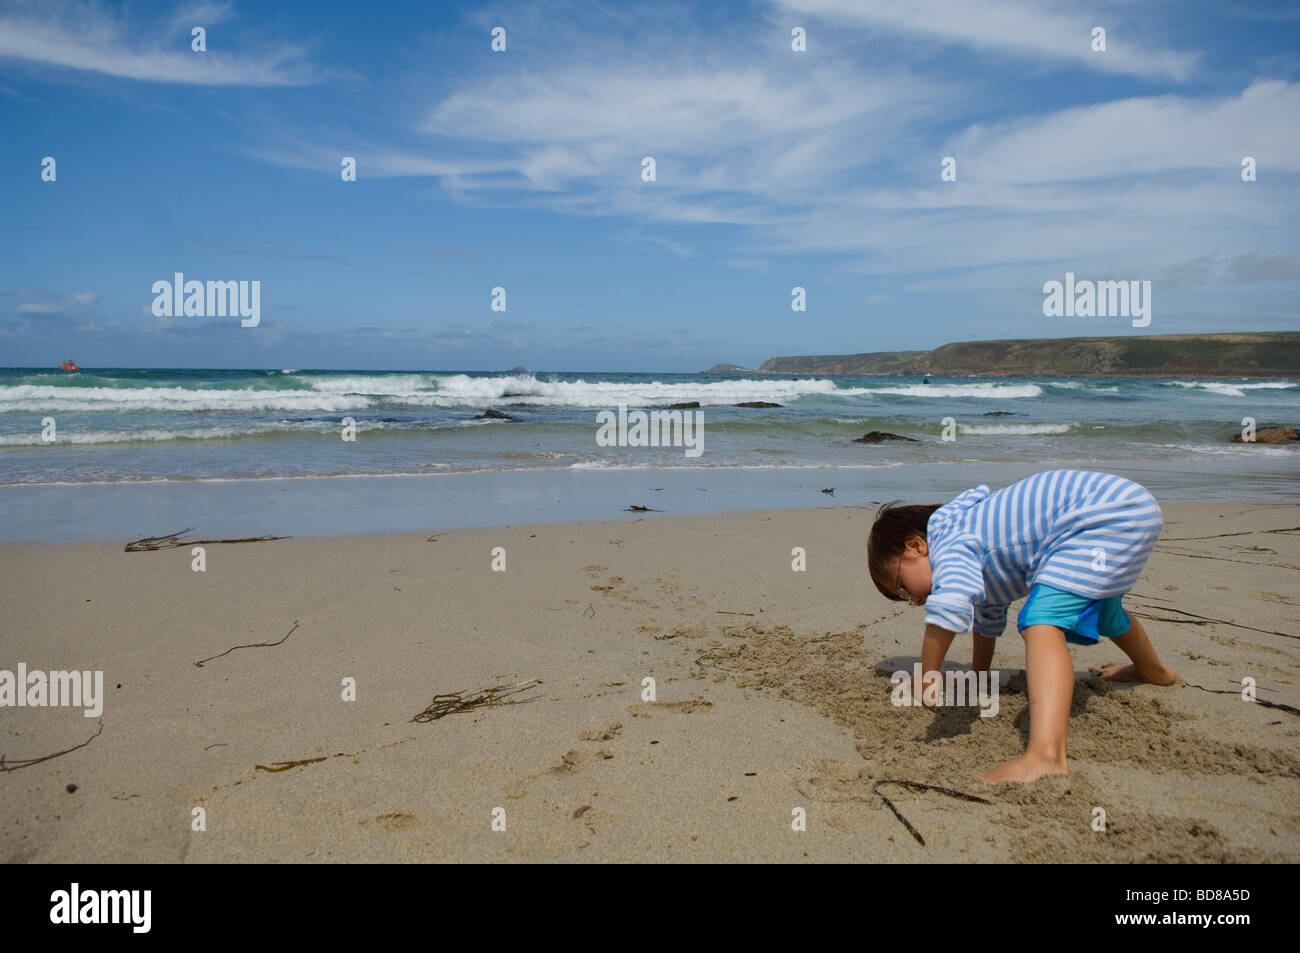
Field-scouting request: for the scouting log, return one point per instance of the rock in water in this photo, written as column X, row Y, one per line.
column 878, row 436
column 491, row 414
column 1270, row 435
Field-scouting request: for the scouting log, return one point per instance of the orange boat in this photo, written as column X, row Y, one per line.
column 68, row 366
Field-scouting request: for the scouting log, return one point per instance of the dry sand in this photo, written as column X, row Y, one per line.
column 772, row 694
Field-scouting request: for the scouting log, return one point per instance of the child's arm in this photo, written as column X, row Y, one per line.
column 934, row 646
column 990, row 622
column 957, row 590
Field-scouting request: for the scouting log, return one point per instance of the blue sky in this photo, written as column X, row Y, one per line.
column 522, row 169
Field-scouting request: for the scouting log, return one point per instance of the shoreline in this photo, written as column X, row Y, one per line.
column 362, row 505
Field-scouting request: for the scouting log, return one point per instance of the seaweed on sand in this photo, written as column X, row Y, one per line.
column 453, row 702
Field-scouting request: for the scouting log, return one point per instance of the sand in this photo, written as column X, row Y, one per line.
column 772, row 698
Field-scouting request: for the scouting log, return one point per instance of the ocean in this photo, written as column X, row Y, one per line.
column 120, row 427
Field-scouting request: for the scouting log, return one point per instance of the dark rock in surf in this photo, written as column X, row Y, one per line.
column 491, row 414
column 685, row 405
column 1270, row 434
column 879, row 436
column 757, row 403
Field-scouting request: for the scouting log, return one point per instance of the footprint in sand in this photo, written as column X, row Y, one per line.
column 592, row 819
column 573, row 761
column 608, row 733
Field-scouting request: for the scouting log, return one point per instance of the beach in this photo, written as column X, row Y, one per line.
column 772, row 701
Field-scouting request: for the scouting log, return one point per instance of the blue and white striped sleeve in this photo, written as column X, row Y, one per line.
column 990, row 620
column 956, row 583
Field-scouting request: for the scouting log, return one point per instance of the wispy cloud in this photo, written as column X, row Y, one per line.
column 727, row 129
column 1138, row 136
column 1152, row 181
column 840, row 156
column 1048, row 31
column 52, row 302
column 738, row 144
column 677, row 248
column 80, row 36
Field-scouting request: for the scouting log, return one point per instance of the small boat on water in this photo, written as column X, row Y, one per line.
column 69, row 366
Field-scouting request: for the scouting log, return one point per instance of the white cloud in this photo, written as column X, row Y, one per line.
column 1139, row 136
column 48, row 302
column 79, row 36
column 1046, row 30
column 840, row 156
column 680, row 249
column 732, row 144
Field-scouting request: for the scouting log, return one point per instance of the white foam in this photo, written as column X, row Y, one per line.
column 1233, row 449
column 1225, row 389
column 990, row 390
column 156, row 435
column 385, row 385
column 463, row 390
column 989, row 430
column 359, row 392
column 34, row 398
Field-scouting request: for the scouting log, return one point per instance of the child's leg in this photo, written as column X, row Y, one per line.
column 1051, row 689
column 982, row 652
column 1146, row 665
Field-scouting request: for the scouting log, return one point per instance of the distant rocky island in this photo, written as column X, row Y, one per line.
column 1247, row 354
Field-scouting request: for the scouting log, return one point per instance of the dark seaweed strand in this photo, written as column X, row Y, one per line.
column 255, row 645
column 28, row 762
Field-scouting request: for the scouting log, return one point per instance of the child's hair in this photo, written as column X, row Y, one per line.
column 896, row 523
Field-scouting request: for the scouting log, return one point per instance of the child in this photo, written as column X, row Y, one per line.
column 1075, row 541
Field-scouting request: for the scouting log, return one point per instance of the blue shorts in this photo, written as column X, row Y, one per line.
column 1084, row 620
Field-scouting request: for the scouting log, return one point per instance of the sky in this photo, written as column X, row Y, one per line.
column 523, row 169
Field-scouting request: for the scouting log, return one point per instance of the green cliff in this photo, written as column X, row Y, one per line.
column 1246, row 354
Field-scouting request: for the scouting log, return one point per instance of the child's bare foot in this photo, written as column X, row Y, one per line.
column 1128, row 672
column 1024, row 769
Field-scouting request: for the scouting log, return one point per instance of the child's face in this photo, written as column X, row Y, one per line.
column 913, row 572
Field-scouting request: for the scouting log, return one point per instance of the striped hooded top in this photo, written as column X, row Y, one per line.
column 1083, row 532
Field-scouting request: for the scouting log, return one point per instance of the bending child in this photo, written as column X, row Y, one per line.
column 1074, row 541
